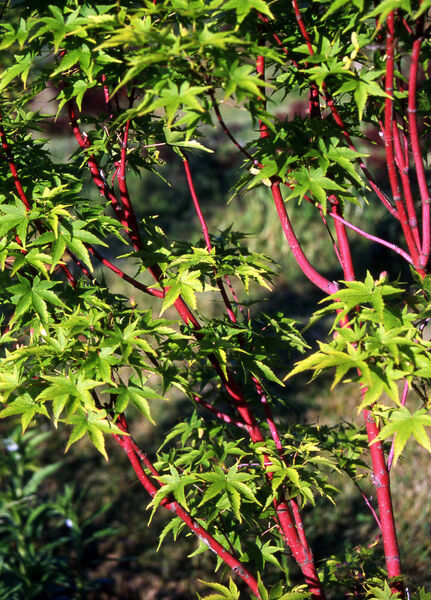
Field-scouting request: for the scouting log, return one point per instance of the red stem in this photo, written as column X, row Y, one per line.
column 295, row 537
column 201, row 218
column 12, row 167
column 136, row 284
column 130, row 222
column 384, row 499
column 265, row 21
column 402, row 162
column 380, row 471
column 238, row 567
column 21, row 193
column 417, row 155
column 301, row 554
column 258, row 387
column 260, row 68
column 343, row 241
column 129, row 213
column 218, row 413
column 389, row 140
column 204, row 228
column 313, row 100
column 339, row 121
column 329, row 287
column 96, row 173
column 338, row 219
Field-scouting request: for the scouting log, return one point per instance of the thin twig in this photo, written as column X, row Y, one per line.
column 373, row 238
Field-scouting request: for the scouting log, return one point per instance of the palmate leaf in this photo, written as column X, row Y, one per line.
column 20, row 68
column 375, row 593
column 27, row 407
column 232, row 485
column 387, row 6
column 224, row 593
column 36, row 294
column 72, row 389
column 358, row 293
column 329, row 357
column 139, row 396
column 186, row 284
column 173, row 484
column 403, row 425
column 34, row 258
column 75, row 237
column 241, row 77
column 172, row 97
column 313, row 182
column 243, row 7
column 9, row 382
column 95, row 424
column 14, row 216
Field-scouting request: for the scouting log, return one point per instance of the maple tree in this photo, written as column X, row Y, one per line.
column 78, row 354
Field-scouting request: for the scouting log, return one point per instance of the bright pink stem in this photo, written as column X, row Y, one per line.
column 218, row 413
column 373, row 238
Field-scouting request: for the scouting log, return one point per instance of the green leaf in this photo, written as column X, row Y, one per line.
column 25, row 406
column 243, row 7
column 403, row 425
column 139, row 396
column 225, row 593
column 20, row 68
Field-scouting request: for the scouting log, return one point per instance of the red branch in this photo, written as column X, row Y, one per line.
column 21, row 193
column 259, row 389
column 402, row 161
column 338, row 219
column 95, row 171
column 380, row 471
column 343, row 241
column 260, row 68
column 290, row 520
column 384, row 499
column 12, row 167
column 329, row 287
column 339, row 121
column 417, row 155
column 129, row 213
column 218, row 413
column 136, row 284
column 389, row 140
column 173, row 506
column 313, row 102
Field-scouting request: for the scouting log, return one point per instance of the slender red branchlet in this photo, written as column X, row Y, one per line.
column 338, row 219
